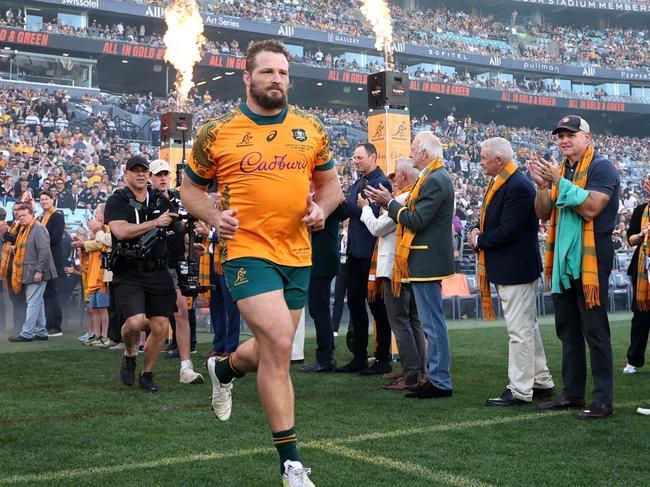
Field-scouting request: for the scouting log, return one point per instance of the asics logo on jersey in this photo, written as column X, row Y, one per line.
column 254, row 162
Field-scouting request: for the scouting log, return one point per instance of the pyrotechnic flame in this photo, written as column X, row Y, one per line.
column 378, row 14
column 183, row 41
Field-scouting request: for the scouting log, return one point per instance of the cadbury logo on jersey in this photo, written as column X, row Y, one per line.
column 299, row 134
column 254, row 162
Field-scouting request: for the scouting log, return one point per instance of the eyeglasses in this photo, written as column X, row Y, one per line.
column 139, row 171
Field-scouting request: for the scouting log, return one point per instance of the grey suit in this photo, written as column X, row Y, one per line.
column 431, row 259
column 38, row 257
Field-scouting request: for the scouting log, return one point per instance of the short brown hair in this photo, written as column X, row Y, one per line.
column 23, row 206
column 268, row 45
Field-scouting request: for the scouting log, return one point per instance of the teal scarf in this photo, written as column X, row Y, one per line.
column 567, row 258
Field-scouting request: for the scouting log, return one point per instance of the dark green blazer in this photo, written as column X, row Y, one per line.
column 432, row 253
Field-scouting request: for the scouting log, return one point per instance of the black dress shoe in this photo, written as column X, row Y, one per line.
column 429, row 391
column 561, row 403
column 355, row 365
column 543, row 393
column 127, row 371
column 378, row 368
column 298, row 361
column 596, row 411
column 506, row 399
column 19, row 339
column 318, row 367
column 147, row 383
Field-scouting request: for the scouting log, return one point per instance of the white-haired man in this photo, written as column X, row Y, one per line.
column 508, row 250
column 424, row 253
column 400, row 306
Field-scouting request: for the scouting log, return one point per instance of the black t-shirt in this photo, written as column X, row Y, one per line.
column 120, row 207
column 602, row 177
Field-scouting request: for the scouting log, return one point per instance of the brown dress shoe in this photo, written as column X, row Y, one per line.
column 395, row 374
column 596, row 411
column 561, row 403
column 398, row 385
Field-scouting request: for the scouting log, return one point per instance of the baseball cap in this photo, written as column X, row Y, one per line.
column 158, row 165
column 136, row 161
column 572, row 123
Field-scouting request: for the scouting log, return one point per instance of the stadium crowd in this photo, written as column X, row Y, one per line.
column 44, row 149
column 511, row 36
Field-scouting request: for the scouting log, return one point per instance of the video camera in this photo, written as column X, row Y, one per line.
column 137, row 251
column 188, row 270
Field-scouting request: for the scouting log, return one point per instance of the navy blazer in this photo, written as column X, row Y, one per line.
column 56, row 227
column 361, row 243
column 509, row 237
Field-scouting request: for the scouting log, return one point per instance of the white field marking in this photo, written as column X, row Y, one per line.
column 323, row 445
column 435, row 476
column 471, row 424
column 448, row 427
column 111, row 469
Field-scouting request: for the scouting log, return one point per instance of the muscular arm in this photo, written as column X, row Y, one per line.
column 124, row 230
column 328, row 190
column 592, row 206
column 198, row 203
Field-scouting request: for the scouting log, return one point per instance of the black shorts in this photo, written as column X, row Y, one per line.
column 152, row 293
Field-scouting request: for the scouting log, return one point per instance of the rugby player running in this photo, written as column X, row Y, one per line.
column 264, row 154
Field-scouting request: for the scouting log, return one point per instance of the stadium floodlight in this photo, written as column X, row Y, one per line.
column 217, row 78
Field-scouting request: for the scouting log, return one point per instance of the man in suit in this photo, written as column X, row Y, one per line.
column 400, row 306
column 326, row 265
column 359, row 254
column 55, row 224
column 506, row 242
column 33, row 267
column 424, row 253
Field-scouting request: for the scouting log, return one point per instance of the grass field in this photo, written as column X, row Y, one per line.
column 65, row 419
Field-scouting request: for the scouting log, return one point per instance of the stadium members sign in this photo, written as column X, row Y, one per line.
column 390, row 131
column 626, row 6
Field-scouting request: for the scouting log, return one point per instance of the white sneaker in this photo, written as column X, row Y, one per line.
column 295, row 475
column 221, row 393
column 85, row 336
column 188, row 376
column 630, row 369
column 644, row 411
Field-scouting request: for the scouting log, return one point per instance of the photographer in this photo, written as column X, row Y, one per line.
column 144, row 289
column 160, row 181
